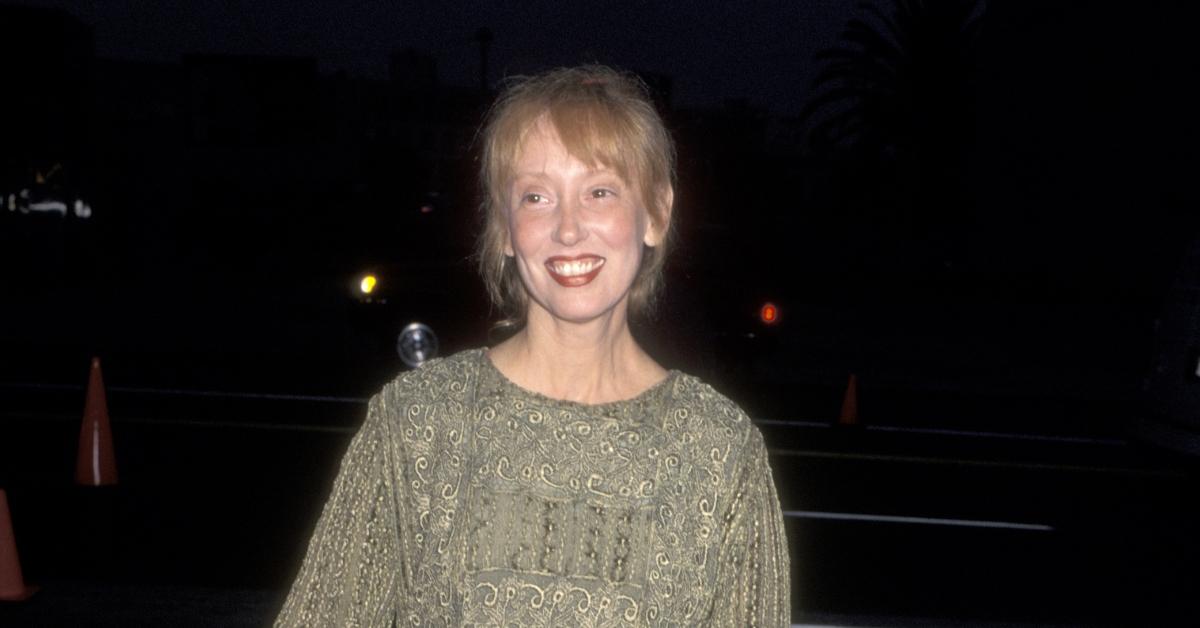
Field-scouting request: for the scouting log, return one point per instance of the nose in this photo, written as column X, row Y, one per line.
column 570, row 228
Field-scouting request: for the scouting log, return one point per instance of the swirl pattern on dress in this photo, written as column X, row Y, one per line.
column 468, row 501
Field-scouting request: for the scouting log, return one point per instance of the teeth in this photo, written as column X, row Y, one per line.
column 576, row 268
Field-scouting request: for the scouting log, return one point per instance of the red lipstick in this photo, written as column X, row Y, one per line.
column 572, row 272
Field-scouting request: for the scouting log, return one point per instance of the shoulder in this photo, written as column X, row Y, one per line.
column 697, row 406
column 714, row 432
column 441, row 380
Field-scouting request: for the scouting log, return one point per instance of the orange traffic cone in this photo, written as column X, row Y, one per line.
column 97, row 466
column 12, row 585
column 849, row 415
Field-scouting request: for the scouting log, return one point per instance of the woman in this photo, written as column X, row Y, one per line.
column 562, row 477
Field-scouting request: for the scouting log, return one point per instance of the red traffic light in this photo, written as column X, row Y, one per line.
column 769, row 313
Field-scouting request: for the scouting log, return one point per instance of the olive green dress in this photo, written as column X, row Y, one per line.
column 466, row 500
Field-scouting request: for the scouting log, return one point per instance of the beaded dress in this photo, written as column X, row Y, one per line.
column 466, row 500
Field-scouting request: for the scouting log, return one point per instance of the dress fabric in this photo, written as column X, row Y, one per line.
column 466, row 500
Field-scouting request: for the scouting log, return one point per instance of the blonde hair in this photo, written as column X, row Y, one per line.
column 602, row 117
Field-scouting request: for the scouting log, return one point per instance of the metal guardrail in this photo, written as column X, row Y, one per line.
column 185, row 392
column 938, row 521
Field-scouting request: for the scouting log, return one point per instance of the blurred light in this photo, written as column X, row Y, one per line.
column 427, row 209
column 416, row 344
column 769, row 313
column 367, row 285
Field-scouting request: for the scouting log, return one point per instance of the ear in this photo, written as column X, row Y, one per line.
column 655, row 233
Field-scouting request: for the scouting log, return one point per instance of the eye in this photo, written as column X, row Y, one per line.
column 603, row 193
column 532, row 198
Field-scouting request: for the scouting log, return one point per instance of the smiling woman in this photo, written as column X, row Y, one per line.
column 572, row 225
column 602, row 122
column 562, row 477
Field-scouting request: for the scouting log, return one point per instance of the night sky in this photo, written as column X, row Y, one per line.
column 759, row 50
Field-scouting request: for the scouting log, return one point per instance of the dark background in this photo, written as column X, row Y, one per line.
column 986, row 211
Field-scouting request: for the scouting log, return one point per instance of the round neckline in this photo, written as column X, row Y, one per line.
column 639, row 398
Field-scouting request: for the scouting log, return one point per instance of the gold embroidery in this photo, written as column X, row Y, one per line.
column 468, row 501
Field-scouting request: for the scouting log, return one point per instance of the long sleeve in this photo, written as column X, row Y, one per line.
column 353, row 570
column 753, row 585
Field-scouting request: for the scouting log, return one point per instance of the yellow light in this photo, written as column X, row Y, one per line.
column 367, row 285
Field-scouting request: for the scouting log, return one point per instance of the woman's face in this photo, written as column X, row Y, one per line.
column 575, row 232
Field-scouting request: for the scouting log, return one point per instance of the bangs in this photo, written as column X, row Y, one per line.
column 597, row 135
column 592, row 130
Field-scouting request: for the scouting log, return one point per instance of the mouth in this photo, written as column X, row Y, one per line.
column 572, row 272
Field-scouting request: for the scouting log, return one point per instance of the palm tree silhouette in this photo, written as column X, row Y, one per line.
column 891, row 119
column 899, row 82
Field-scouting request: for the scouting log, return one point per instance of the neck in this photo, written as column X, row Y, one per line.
column 593, row 362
